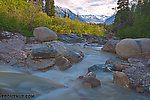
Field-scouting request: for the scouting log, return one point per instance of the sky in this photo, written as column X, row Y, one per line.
column 86, row 7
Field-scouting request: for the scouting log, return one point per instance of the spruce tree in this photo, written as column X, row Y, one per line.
column 65, row 14
column 68, row 15
column 123, row 14
column 59, row 14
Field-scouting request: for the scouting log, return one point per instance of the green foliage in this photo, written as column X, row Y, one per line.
column 123, row 14
column 141, row 22
column 23, row 17
column 50, row 8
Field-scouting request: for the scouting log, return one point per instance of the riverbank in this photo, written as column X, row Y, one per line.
column 42, row 59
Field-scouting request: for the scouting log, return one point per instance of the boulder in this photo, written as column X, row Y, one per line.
column 44, row 53
column 73, row 57
column 63, row 63
column 134, row 60
column 94, row 39
column 45, row 34
column 101, row 68
column 40, row 64
column 71, row 38
column 110, row 46
column 91, row 82
column 120, row 67
column 129, row 48
column 121, row 78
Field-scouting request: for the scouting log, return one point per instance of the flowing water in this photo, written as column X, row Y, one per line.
column 75, row 90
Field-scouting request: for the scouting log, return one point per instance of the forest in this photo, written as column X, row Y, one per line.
column 132, row 19
column 20, row 16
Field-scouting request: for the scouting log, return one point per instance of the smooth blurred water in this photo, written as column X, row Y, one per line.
column 75, row 90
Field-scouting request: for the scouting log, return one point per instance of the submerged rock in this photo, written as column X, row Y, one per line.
column 91, row 82
column 45, row 34
column 20, row 83
column 63, row 63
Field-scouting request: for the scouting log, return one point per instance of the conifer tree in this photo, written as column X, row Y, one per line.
column 123, row 13
column 68, row 15
column 78, row 16
column 65, row 14
column 59, row 14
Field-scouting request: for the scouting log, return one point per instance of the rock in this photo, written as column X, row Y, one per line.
column 89, row 38
column 10, row 35
column 101, row 68
column 32, row 40
column 148, row 63
column 94, row 39
column 110, row 46
column 129, row 48
column 115, row 60
column 133, row 60
column 100, row 40
column 90, row 74
column 44, row 34
column 27, row 84
column 120, row 67
column 44, row 53
column 80, row 77
column 40, row 64
column 73, row 57
column 121, row 78
column 63, row 63
column 110, row 35
column 91, row 82
column 72, row 54
column 140, row 89
column 71, row 38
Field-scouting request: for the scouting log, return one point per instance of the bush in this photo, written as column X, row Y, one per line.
column 23, row 17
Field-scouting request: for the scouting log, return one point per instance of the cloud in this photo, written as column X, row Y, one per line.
column 95, row 7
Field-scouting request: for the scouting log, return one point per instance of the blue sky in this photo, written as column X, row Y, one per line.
column 95, row 7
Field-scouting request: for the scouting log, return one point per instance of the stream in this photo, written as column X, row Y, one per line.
column 75, row 90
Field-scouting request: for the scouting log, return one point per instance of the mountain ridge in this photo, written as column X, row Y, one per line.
column 82, row 18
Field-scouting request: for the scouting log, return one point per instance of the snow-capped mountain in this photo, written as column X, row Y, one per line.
column 94, row 18
column 83, row 18
column 110, row 20
column 73, row 16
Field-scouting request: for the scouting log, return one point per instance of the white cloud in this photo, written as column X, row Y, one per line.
column 96, row 7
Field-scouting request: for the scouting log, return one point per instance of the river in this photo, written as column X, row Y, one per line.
column 75, row 90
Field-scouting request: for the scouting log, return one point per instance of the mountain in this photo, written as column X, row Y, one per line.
column 73, row 16
column 82, row 18
column 110, row 20
column 94, row 18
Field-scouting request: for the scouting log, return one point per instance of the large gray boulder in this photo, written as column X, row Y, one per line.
column 45, row 34
column 44, row 53
column 128, row 48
